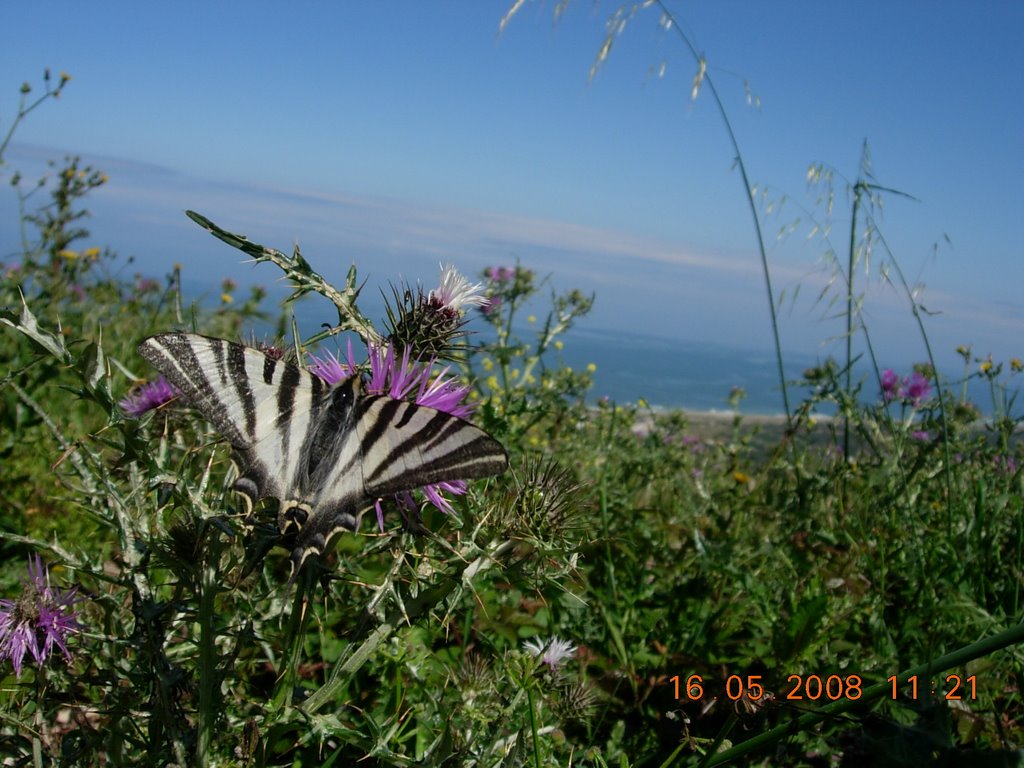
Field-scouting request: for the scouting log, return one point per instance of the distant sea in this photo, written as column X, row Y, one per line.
column 676, row 373
column 664, row 372
column 698, row 376
column 667, row 373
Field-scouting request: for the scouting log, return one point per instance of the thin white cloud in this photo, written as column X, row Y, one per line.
column 654, row 283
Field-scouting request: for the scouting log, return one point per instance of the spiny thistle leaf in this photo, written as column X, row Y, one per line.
column 304, row 279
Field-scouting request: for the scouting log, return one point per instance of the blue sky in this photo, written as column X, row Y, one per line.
column 403, row 134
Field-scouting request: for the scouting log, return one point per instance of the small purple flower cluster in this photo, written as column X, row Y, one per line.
column 914, row 389
column 501, row 274
column 41, row 619
column 501, row 278
column 695, row 443
column 145, row 285
column 492, row 305
column 1005, row 464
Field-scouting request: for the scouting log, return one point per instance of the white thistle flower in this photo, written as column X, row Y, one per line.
column 552, row 653
column 455, row 291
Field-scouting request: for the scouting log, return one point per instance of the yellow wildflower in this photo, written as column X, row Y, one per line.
column 68, row 254
column 92, row 253
column 559, row 344
column 741, row 478
column 227, row 298
column 514, row 374
column 1016, row 365
column 641, row 403
column 492, row 382
column 591, row 367
column 986, row 366
column 531, row 319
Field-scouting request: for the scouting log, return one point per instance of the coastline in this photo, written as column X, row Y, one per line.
column 719, row 424
column 766, row 431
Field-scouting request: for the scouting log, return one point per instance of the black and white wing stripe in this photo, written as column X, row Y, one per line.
column 404, row 446
column 324, row 452
column 263, row 406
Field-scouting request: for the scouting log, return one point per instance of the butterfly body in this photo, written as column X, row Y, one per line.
column 324, row 452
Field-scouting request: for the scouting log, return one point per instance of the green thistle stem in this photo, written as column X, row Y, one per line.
column 741, row 166
column 288, row 671
column 208, row 710
column 533, row 724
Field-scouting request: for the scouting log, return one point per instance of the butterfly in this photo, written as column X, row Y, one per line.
column 324, row 452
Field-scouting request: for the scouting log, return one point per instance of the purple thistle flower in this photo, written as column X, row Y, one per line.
column 916, row 388
column 270, row 350
column 890, row 384
column 388, row 377
column 491, row 305
column 920, row 435
column 1006, row 464
column 501, row 274
column 455, row 292
column 331, row 369
column 444, row 394
column 150, row 395
column 435, row 495
column 40, row 619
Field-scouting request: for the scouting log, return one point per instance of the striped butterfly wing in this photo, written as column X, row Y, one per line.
column 264, row 407
column 404, row 446
column 390, row 446
column 324, row 452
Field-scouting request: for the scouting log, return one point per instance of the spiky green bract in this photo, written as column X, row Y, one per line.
column 413, row 322
column 549, row 504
